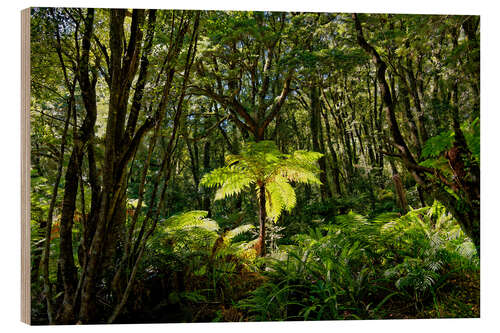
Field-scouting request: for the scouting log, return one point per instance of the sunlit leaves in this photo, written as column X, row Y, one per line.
column 191, row 219
column 263, row 164
column 233, row 184
column 280, row 196
column 435, row 147
column 238, row 231
column 473, row 137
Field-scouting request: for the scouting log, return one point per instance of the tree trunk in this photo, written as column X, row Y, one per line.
column 120, row 144
column 261, row 242
column 464, row 204
column 410, row 118
column 206, row 168
column 315, row 123
column 66, row 258
column 140, row 241
column 68, row 269
column 418, row 106
column 333, row 154
column 48, row 229
column 400, row 191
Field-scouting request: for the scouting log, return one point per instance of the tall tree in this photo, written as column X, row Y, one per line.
column 464, row 201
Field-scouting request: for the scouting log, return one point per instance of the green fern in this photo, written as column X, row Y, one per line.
column 189, row 220
column 229, row 235
column 263, row 163
column 280, row 196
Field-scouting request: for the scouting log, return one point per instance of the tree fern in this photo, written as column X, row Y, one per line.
column 263, row 163
column 263, row 167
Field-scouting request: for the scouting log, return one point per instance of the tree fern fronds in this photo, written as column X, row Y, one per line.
column 298, row 174
column 306, row 157
column 351, row 220
column 233, row 185
column 248, row 245
column 238, row 231
column 231, row 159
column 222, row 175
column 280, row 196
column 386, row 218
column 262, row 164
column 216, row 177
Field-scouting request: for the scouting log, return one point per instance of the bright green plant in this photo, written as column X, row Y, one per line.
column 193, row 229
column 356, row 267
column 263, row 167
column 197, row 250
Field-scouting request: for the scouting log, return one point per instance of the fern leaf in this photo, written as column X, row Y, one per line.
column 280, row 196
column 191, row 219
column 233, row 185
column 238, row 231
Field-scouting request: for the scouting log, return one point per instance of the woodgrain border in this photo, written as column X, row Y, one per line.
column 25, row 168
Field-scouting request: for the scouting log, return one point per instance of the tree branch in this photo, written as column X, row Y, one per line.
column 278, row 103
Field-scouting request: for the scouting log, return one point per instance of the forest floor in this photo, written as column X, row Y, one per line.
column 459, row 298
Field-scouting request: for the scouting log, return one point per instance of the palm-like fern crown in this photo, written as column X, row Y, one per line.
column 261, row 163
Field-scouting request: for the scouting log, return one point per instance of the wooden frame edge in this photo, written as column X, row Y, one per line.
column 25, row 167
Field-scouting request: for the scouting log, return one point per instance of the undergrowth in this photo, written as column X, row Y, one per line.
column 419, row 265
column 372, row 268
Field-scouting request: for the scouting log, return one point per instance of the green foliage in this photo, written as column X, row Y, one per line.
column 438, row 144
column 189, row 220
column 344, row 255
column 132, row 203
column 472, row 135
column 262, row 163
column 357, row 266
column 435, row 146
column 280, row 196
column 231, row 179
column 229, row 235
column 194, row 231
column 188, row 247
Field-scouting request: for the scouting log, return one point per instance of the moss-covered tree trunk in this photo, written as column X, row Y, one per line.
column 121, row 141
column 68, row 270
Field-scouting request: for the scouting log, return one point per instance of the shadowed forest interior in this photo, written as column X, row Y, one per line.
column 199, row 166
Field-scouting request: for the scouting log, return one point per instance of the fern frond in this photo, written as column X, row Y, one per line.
column 263, row 163
column 280, row 196
column 217, row 177
column 230, row 159
column 238, row 231
column 185, row 218
column 301, row 167
column 233, row 185
column 232, row 179
column 298, row 174
column 191, row 219
column 306, row 157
